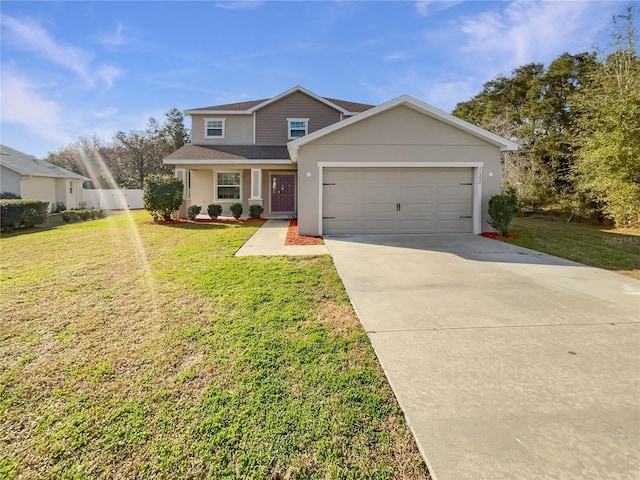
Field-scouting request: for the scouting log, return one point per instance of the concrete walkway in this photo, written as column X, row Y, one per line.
column 508, row 363
column 270, row 238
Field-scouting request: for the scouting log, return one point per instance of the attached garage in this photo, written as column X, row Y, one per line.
column 397, row 200
column 401, row 167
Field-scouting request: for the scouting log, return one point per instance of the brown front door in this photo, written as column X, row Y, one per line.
column 283, row 193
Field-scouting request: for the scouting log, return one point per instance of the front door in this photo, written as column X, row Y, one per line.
column 283, row 193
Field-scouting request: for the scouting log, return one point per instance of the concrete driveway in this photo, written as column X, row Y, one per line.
column 508, row 363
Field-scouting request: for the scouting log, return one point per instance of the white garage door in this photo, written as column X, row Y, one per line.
column 397, row 200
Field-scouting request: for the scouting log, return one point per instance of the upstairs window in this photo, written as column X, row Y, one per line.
column 214, row 127
column 298, row 127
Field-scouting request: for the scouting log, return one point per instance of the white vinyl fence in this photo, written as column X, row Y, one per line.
column 113, row 199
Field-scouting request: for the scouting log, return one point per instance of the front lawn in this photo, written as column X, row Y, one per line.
column 612, row 249
column 133, row 350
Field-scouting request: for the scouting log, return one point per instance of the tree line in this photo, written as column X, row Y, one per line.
column 125, row 161
column 577, row 122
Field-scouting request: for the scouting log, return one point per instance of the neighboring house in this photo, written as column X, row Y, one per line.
column 30, row 178
column 343, row 167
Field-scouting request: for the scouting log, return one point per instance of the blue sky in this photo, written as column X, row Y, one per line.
column 71, row 69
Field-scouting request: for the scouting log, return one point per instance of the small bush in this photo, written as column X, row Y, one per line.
column 84, row 214
column 68, row 215
column 81, row 215
column 193, row 211
column 214, row 210
column 501, row 211
column 255, row 211
column 17, row 213
column 236, row 210
column 9, row 196
column 162, row 195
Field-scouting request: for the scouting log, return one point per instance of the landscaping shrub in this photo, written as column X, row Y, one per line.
column 162, row 195
column 18, row 213
column 214, row 210
column 501, row 211
column 9, row 196
column 236, row 210
column 81, row 214
column 193, row 211
column 255, row 211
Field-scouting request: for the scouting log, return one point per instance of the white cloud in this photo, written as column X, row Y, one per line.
column 424, row 7
column 115, row 39
column 22, row 106
column 108, row 73
column 530, row 31
column 239, row 5
column 446, row 94
column 28, row 35
column 395, row 56
column 31, row 36
column 106, row 113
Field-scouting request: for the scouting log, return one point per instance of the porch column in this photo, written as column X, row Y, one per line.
column 256, row 185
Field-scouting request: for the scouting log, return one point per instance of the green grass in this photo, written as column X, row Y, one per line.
column 133, row 350
column 611, row 249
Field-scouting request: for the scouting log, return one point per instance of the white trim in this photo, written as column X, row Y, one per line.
column 248, row 161
column 223, row 120
column 256, row 184
column 289, row 128
column 417, row 105
column 477, row 182
column 254, row 128
column 477, row 200
column 402, row 164
column 215, row 191
column 195, row 111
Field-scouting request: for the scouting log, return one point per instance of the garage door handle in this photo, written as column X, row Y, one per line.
column 465, row 216
column 466, row 184
column 397, row 207
column 334, row 184
column 328, row 218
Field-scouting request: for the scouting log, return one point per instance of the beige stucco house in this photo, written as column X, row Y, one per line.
column 30, row 178
column 343, row 167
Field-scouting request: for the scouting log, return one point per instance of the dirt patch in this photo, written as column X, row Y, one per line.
column 340, row 317
column 294, row 239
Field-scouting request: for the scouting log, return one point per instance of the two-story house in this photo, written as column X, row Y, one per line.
column 342, row 167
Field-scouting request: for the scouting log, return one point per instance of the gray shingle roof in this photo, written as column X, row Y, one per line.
column 25, row 164
column 230, row 152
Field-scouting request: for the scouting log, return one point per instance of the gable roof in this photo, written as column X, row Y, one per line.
column 25, row 164
column 415, row 104
column 190, row 153
column 345, row 107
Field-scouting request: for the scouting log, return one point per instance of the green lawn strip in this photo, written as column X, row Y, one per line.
column 611, row 249
column 150, row 351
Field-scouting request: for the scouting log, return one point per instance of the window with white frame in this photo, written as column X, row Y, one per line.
column 228, row 186
column 214, row 127
column 298, row 127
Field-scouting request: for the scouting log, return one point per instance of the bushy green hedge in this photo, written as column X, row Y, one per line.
column 236, row 210
column 162, row 195
column 22, row 213
column 501, row 210
column 82, row 214
column 255, row 211
column 214, row 210
column 193, row 211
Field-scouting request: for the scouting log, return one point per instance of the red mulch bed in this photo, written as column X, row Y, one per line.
column 182, row 221
column 497, row 236
column 294, row 239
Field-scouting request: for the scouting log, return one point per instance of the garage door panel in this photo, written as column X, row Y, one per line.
column 403, row 200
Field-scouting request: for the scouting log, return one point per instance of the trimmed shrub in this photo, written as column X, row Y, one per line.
column 162, row 195
column 18, row 213
column 255, row 211
column 81, row 215
column 236, row 210
column 214, row 210
column 501, row 211
column 9, row 196
column 84, row 214
column 193, row 211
